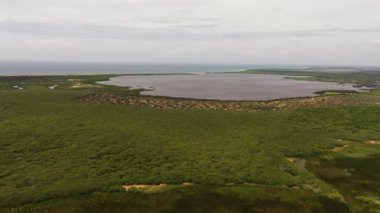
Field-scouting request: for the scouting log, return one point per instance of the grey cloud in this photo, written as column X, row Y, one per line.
column 179, row 19
column 97, row 31
column 176, row 3
column 195, row 26
column 301, row 33
column 277, row 31
column 67, row 29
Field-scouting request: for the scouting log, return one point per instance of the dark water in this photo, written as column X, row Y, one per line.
column 50, row 68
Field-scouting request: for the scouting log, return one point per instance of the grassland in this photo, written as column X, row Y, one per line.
column 59, row 154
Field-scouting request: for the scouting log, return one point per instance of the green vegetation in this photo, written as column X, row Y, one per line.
column 193, row 199
column 354, row 171
column 61, row 154
column 370, row 79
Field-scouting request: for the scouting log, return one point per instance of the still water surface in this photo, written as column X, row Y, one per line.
column 226, row 86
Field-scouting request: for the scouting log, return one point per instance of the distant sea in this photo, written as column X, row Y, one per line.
column 76, row 68
column 58, row 68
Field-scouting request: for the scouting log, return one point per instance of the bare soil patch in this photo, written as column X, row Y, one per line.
column 187, row 184
column 81, row 85
column 142, row 187
column 373, row 142
column 299, row 162
column 340, row 148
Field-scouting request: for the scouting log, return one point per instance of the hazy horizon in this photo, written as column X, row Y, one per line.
column 272, row 32
column 67, row 68
column 274, row 65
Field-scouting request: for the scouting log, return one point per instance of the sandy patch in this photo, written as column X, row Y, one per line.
column 142, row 187
column 18, row 87
column 373, row 142
column 80, row 85
column 187, row 184
column 299, row 162
column 339, row 148
column 53, row 87
column 72, row 79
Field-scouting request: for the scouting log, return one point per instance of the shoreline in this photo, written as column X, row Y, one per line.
column 242, row 106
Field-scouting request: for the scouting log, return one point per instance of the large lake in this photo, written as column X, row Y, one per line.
column 226, row 86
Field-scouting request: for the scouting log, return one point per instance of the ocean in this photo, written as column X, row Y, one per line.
column 65, row 68
column 81, row 68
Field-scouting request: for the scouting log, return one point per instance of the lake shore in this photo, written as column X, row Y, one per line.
column 244, row 106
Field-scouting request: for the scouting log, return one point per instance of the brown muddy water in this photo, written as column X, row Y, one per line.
column 225, row 86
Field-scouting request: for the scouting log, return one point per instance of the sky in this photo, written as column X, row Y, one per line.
column 305, row 32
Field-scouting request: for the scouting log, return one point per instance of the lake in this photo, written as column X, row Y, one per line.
column 226, row 86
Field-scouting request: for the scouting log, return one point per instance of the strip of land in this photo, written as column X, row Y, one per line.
column 243, row 106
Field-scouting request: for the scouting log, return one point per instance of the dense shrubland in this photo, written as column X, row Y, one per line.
column 53, row 146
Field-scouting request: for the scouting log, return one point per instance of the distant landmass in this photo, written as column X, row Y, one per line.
column 64, row 68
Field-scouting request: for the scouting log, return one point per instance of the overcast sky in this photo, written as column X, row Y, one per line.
column 323, row 32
